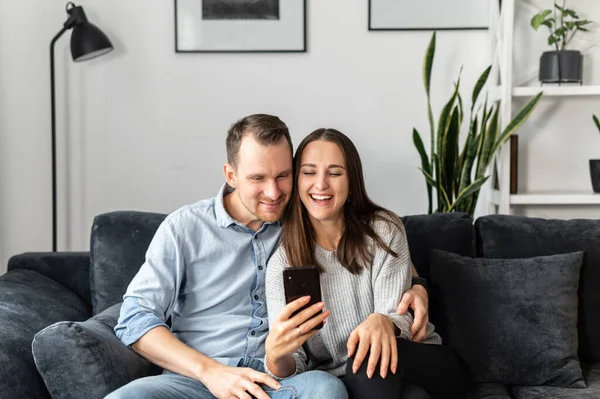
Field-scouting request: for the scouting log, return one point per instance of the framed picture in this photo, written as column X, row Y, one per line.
column 233, row 26
column 428, row 14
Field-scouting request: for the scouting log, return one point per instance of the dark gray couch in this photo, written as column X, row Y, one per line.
column 71, row 301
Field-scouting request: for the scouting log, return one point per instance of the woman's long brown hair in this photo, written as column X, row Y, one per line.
column 359, row 214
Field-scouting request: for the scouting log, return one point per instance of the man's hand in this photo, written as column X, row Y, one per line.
column 377, row 334
column 236, row 382
column 416, row 298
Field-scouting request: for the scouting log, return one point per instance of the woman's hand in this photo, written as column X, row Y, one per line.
column 377, row 334
column 288, row 334
column 416, row 298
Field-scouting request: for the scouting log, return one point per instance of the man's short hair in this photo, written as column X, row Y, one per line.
column 265, row 129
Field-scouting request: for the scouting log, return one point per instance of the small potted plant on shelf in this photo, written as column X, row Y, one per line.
column 560, row 65
column 595, row 165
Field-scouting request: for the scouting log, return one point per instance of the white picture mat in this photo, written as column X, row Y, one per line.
column 194, row 33
column 423, row 14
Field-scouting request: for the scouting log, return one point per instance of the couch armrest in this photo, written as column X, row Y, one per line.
column 71, row 269
column 86, row 359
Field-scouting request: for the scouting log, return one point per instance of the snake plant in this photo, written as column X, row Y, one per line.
column 456, row 175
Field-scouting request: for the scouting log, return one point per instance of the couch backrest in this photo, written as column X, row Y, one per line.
column 509, row 237
column 119, row 241
column 452, row 232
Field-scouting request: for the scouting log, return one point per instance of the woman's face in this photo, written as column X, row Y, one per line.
column 323, row 181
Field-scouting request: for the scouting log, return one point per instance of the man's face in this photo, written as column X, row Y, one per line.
column 262, row 181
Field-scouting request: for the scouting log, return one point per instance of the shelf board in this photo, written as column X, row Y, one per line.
column 555, row 199
column 568, row 90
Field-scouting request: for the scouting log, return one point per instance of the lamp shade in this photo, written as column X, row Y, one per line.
column 87, row 42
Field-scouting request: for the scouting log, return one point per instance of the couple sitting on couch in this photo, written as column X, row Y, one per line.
column 206, row 270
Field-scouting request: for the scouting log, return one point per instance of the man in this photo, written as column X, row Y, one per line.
column 205, row 269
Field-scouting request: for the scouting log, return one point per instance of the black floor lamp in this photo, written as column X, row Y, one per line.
column 87, row 42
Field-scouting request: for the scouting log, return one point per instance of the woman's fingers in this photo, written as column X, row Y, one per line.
column 394, row 355
column 385, row 358
column 291, row 307
column 313, row 322
column 352, row 342
column 361, row 353
column 374, row 356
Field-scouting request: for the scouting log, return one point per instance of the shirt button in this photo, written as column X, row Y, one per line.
column 253, row 333
column 260, row 268
column 256, row 297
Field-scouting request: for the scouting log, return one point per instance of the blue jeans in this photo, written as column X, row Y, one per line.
column 307, row 385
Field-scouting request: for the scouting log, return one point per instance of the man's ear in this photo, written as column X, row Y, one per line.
column 230, row 177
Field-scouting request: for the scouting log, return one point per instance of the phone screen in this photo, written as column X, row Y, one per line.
column 302, row 281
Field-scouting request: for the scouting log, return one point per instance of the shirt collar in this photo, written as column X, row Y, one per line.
column 223, row 218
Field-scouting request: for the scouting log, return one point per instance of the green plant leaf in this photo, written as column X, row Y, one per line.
column 517, row 121
column 428, row 178
column 450, row 151
column 539, row 18
column 445, row 200
column 597, row 122
column 471, row 189
column 470, row 152
column 424, row 163
column 491, row 132
column 479, row 85
column 428, row 64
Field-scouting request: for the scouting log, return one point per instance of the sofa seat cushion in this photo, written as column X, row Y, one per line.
column 86, row 359
column 29, row 302
column 489, row 390
column 507, row 236
column 592, row 377
column 513, row 321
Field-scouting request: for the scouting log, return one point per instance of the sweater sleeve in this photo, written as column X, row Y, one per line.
column 391, row 275
column 275, row 294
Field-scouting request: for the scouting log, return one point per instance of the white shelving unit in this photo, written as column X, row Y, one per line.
column 502, row 36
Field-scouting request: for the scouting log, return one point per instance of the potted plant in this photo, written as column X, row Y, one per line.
column 595, row 165
column 458, row 175
column 560, row 65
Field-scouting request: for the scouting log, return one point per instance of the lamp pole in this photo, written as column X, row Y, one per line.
column 87, row 42
column 53, row 111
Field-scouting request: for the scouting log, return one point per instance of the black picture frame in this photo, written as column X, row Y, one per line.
column 371, row 26
column 300, row 40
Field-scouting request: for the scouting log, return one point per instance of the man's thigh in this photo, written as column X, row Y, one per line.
column 310, row 384
column 164, row 386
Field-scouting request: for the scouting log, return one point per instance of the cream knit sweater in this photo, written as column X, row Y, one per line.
column 351, row 299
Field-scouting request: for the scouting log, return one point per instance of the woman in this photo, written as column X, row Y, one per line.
column 362, row 253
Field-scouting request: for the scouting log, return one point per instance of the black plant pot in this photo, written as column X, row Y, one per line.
column 595, row 174
column 565, row 66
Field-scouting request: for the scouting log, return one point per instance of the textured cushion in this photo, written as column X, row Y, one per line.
column 489, row 390
column 591, row 374
column 513, row 321
column 86, row 359
column 452, row 232
column 29, row 302
column 118, row 247
column 501, row 236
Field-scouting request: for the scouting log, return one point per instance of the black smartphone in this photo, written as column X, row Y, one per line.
column 302, row 281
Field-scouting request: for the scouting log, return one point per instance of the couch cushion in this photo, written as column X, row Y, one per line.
column 489, row 390
column 591, row 374
column 502, row 236
column 29, row 302
column 118, row 247
column 86, row 359
column 452, row 232
column 513, row 321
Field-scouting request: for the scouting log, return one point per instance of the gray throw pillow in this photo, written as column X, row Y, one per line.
column 513, row 321
column 86, row 359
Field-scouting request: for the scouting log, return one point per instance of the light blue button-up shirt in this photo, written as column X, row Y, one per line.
column 206, row 271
